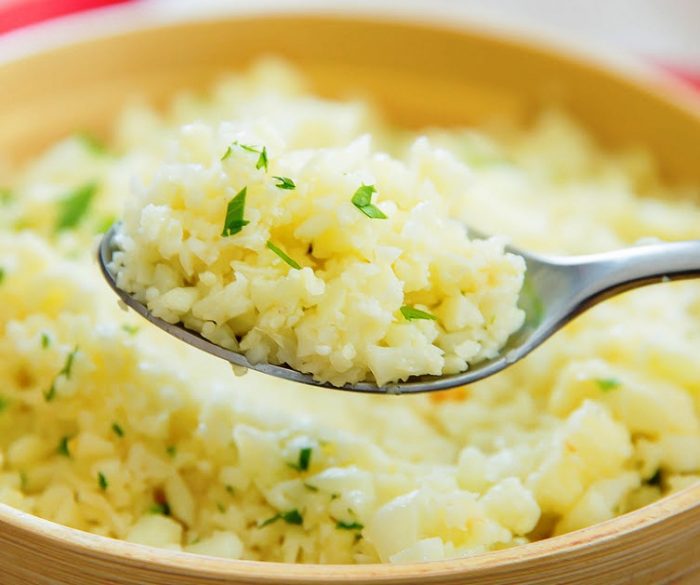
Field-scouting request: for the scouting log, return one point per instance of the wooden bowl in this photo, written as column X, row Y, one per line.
column 444, row 74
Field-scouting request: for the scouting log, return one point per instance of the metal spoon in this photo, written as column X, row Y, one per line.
column 557, row 289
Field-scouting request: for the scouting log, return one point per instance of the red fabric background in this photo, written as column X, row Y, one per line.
column 18, row 13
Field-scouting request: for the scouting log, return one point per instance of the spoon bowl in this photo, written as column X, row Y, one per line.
column 556, row 290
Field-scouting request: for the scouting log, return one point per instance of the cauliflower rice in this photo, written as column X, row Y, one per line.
column 110, row 426
column 380, row 291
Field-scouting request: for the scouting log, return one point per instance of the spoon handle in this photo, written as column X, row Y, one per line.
column 600, row 276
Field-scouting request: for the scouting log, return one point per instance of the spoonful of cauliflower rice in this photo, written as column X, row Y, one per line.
column 343, row 267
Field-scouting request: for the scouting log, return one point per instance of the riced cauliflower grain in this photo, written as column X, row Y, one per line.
column 326, row 274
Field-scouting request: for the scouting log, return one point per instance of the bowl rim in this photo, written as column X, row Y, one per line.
column 597, row 535
column 123, row 19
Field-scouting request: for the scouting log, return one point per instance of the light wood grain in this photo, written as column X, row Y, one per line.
column 419, row 75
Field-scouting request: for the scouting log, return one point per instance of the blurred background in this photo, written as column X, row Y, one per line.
column 664, row 32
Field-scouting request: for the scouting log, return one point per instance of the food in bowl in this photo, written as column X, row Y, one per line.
column 110, row 426
column 335, row 259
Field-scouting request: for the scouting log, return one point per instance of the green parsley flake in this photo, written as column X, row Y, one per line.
column 608, row 384
column 230, row 489
column 45, row 341
column 63, row 447
column 220, row 507
column 310, row 487
column 342, row 525
column 290, row 517
column 117, row 429
column 74, row 206
column 5, row 196
column 2, row 275
column 248, row 147
column 261, row 152
column 291, row 262
column 23, row 481
column 105, row 223
column 68, row 366
column 285, row 183
column 102, row 481
column 3, row 403
column 50, row 394
column 269, row 521
column 362, row 199
column 234, row 221
column 262, row 160
column 160, row 508
column 66, row 370
column 91, row 142
column 411, row 313
column 171, row 450
column 304, row 458
column 130, row 329
column 655, row 479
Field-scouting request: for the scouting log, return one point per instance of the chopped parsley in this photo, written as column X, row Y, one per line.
column 23, row 481
column 261, row 152
column 162, row 508
column 3, row 403
column 105, row 223
column 45, row 341
column 117, row 429
column 342, row 525
column 310, row 487
column 304, row 458
column 234, row 221
column 248, row 147
column 654, row 479
column 362, row 199
column 230, row 489
column 285, row 183
column 102, row 481
column 291, row 262
column 130, row 329
column 91, row 142
column 2, row 274
column 608, row 384
column 229, row 149
column 66, row 370
column 68, row 366
column 290, row 517
column 63, row 447
column 262, row 160
column 171, row 450
column 269, row 521
column 411, row 313
column 74, row 206
column 5, row 196
column 50, row 394
column 220, row 507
